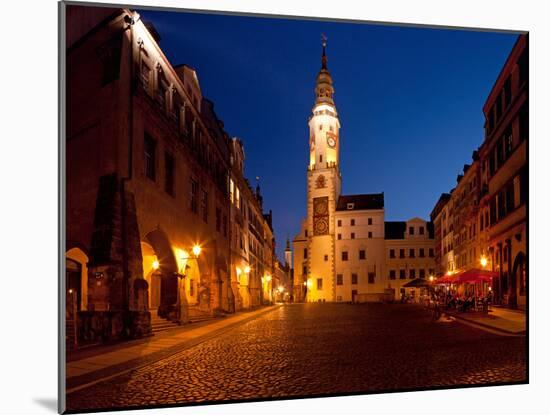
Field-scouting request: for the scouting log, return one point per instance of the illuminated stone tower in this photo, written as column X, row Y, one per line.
column 323, row 189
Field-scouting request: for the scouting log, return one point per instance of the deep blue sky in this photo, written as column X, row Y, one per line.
column 409, row 100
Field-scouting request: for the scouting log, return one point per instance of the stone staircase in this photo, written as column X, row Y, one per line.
column 197, row 315
column 159, row 324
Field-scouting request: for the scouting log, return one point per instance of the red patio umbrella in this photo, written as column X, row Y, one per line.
column 475, row 275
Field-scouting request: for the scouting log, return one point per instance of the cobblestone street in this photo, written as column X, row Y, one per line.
column 316, row 349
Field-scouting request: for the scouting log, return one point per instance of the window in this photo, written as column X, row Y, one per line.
column 422, row 273
column 431, row 271
column 392, row 253
column 354, row 278
column 372, row 276
column 320, row 158
column 225, row 226
column 370, row 221
column 421, row 230
column 218, row 219
column 339, row 236
column 145, row 75
column 304, row 269
column 402, row 275
column 326, row 257
column 109, row 55
column 339, row 279
column 401, row 253
column 305, row 232
column 344, row 255
column 370, row 235
column 204, row 205
column 421, row 252
column 498, row 108
column 191, row 287
column 150, row 155
column 362, row 254
column 523, row 124
column 162, row 89
column 412, row 273
column 352, row 235
column 176, row 109
column 231, row 190
column 392, row 274
column 305, row 253
column 352, row 222
column 507, row 92
column 169, row 173
column 193, row 199
column 431, row 252
column 523, row 64
column 411, row 253
column 350, row 206
column 339, row 222
column 319, row 283
column 411, row 230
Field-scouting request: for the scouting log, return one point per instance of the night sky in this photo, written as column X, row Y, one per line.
column 409, row 101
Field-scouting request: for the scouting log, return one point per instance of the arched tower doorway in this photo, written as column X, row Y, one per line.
column 76, row 274
column 519, row 276
column 161, row 271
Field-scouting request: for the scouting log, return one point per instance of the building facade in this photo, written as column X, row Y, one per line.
column 482, row 223
column 504, row 177
column 340, row 253
column 410, row 253
column 148, row 168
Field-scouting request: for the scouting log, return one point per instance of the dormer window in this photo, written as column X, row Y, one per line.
column 351, row 206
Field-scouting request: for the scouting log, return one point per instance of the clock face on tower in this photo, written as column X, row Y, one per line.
column 331, row 140
column 320, row 216
column 321, row 226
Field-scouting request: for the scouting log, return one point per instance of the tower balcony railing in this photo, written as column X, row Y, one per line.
column 329, row 165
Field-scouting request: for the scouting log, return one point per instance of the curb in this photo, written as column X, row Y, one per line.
column 486, row 326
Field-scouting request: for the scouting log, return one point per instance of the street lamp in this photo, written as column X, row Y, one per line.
column 483, row 261
column 431, row 278
column 181, row 275
column 155, row 264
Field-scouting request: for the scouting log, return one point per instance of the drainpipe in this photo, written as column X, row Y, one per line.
column 130, row 21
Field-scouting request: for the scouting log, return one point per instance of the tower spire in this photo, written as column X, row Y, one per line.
column 324, row 89
column 324, row 56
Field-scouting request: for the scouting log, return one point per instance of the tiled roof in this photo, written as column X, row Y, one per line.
column 395, row 230
column 361, row 202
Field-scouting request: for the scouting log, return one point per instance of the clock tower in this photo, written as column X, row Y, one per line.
column 324, row 186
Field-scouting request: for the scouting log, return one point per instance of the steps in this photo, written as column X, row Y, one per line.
column 159, row 324
column 196, row 315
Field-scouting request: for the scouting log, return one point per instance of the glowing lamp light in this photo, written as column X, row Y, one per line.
column 483, row 261
column 247, row 270
column 449, row 272
column 268, row 278
column 70, row 291
column 431, row 278
column 155, row 264
column 239, row 271
column 305, row 283
column 196, row 250
column 281, row 289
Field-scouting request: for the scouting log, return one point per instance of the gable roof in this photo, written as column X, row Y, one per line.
column 361, row 202
column 395, row 230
